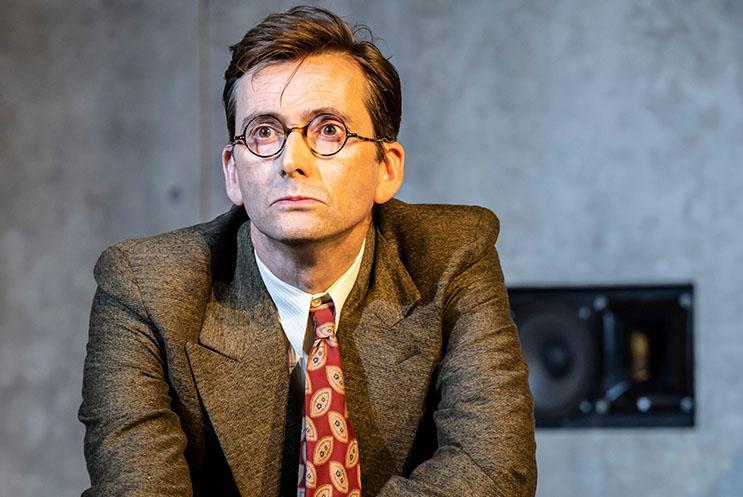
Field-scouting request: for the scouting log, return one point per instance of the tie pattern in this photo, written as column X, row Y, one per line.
column 329, row 452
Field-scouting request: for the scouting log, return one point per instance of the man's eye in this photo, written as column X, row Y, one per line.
column 330, row 129
column 263, row 132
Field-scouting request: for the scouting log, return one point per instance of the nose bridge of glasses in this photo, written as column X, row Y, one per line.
column 302, row 130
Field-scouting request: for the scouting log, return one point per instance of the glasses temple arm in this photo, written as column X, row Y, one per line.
column 364, row 138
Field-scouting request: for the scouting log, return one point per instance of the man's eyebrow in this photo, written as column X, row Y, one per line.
column 253, row 115
column 307, row 116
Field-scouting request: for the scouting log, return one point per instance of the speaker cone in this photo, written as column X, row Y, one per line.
column 559, row 347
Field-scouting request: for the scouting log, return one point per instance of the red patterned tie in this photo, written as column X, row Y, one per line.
column 329, row 453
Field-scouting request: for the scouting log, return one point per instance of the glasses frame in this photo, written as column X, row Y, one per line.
column 303, row 131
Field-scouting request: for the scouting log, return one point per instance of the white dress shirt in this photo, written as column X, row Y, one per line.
column 293, row 304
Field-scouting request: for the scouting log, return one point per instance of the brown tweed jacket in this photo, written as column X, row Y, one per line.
column 186, row 390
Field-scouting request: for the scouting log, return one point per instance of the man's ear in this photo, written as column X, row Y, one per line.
column 390, row 173
column 231, row 178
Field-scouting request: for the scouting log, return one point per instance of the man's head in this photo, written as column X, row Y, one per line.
column 303, row 31
column 287, row 71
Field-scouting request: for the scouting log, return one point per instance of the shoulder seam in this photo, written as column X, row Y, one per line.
column 135, row 281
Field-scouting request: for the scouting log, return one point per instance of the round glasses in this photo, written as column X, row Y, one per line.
column 326, row 134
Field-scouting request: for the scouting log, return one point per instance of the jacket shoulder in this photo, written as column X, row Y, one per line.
column 437, row 220
column 168, row 260
column 433, row 239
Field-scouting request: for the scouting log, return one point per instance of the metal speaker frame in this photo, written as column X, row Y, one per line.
column 608, row 356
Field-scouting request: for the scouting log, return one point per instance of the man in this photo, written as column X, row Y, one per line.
column 321, row 337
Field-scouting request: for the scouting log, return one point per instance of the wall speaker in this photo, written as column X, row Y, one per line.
column 608, row 356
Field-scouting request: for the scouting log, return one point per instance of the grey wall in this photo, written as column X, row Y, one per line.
column 607, row 136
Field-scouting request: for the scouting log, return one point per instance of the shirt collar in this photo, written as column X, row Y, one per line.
column 290, row 298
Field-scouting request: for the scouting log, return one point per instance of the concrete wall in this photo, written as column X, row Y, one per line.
column 608, row 137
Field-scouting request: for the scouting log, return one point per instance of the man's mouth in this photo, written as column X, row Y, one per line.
column 295, row 200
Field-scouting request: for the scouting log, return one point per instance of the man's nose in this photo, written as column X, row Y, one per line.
column 297, row 158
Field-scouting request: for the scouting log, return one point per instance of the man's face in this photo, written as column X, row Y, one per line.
column 297, row 196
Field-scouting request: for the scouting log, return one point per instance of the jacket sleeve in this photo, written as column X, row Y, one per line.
column 134, row 444
column 484, row 419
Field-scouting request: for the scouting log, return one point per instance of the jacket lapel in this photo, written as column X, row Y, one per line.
column 240, row 367
column 388, row 356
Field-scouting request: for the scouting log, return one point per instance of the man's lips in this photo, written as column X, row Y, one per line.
column 295, row 200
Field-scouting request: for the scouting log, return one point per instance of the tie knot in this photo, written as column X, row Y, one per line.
column 322, row 311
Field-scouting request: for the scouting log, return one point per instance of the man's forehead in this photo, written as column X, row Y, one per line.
column 301, row 88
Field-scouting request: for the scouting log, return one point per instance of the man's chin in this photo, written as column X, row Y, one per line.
column 298, row 239
column 298, row 232
column 294, row 235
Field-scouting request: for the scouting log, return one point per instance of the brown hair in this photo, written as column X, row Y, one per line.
column 303, row 31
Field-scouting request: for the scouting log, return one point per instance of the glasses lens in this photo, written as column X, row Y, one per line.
column 264, row 135
column 326, row 134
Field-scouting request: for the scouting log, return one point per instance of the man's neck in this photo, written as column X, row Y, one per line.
column 313, row 266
